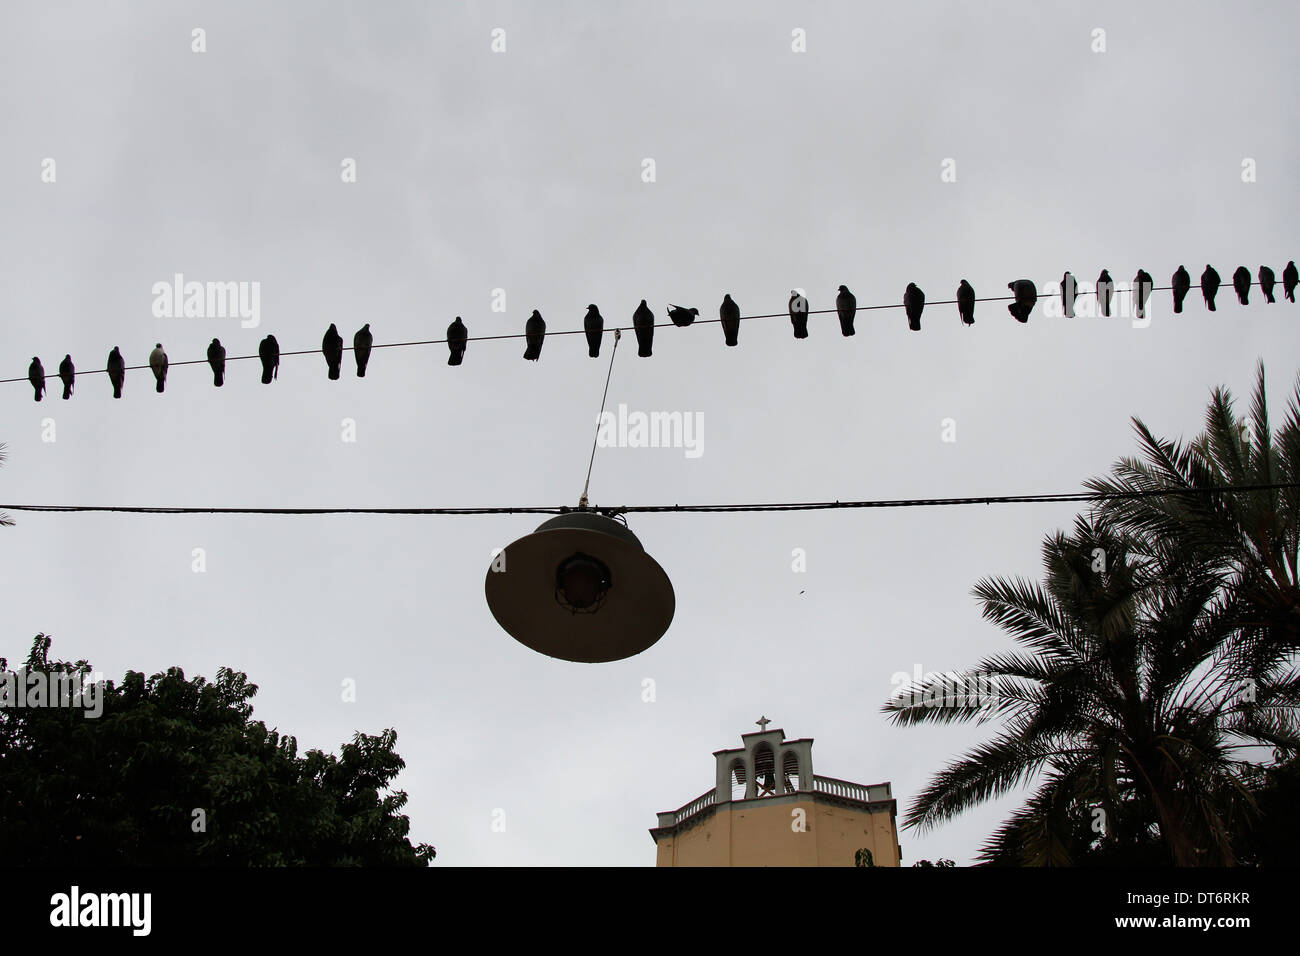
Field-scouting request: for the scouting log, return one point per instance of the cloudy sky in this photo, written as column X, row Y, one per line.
column 518, row 179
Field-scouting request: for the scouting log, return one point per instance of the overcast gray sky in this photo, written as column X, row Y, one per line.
column 522, row 171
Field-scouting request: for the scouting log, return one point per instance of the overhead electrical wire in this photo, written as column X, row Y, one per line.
column 1083, row 496
column 1116, row 290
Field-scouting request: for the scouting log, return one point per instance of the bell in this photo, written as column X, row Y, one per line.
column 581, row 588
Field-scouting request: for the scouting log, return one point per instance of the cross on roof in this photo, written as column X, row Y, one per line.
column 762, row 723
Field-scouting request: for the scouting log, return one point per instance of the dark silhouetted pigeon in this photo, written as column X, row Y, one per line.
column 217, row 359
column 1105, row 289
column 158, row 362
column 363, row 340
column 799, row 314
column 1182, row 283
column 643, row 323
column 1266, row 282
column 68, row 374
column 36, row 375
column 1142, row 286
column 1290, row 278
column 594, row 326
column 116, row 371
column 332, row 346
column 913, row 305
column 729, row 312
column 1209, row 286
column 681, row 317
column 457, row 340
column 534, row 335
column 1241, row 284
column 1026, row 294
column 1069, row 292
column 268, row 350
column 846, row 305
column 966, row 302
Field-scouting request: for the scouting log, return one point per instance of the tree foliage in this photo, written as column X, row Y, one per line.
column 176, row 772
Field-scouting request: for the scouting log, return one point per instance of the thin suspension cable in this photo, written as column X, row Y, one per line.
column 1115, row 290
column 1085, row 496
column 582, row 502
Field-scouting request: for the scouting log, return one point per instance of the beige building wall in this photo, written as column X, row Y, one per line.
column 805, row 832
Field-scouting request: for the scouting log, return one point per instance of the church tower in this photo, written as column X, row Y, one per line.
column 768, row 808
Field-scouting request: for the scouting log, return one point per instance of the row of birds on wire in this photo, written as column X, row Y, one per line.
column 1024, row 293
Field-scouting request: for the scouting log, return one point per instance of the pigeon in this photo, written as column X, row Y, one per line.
column 1026, row 296
column 846, row 304
column 158, row 362
column 36, row 375
column 457, row 338
column 332, row 346
column 1289, row 280
column 729, row 312
column 799, row 314
column 116, row 371
column 534, row 333
column 1105, row 288
column 594, row 326
column 966, row 302
column 681, row 317
column 361, row 344
column 1142, row 285
column 1241, row 284
column 643, row 321
column 217, row 359
column 1209, row 286
column 1069, row 292
column 1182, row 283
column 68, row 373
column 269, row 352
column 1266, row 282
column 913, row 305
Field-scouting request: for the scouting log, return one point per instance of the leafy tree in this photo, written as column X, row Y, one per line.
column 941, row 862
column 175, row 772
column 863, row 858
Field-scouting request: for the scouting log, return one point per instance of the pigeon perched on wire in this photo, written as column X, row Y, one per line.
column 1142, row 286
column 729, row 312
column 68, row 375
column 1026, row 294
column 457, row 340
column 643, row 323
column 116, row 371
column 1209, row 286
column 1182, row 283
column 158, row 363
column 332, row 346
column 1069, row 292
column 846, row 306
column 268, row 350
column 1266, row 282
column 1241, row 284
column 594, row 326
column 799, row 314
column 1290, row 278
column 681, row 316
column 534, row 335
column 36, row 375
column 363, row 340
column 913, row 305
column 966, row 302
column 1105, row 289
column 217, row 359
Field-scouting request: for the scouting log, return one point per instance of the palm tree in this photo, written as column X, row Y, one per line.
column 1119, row 700
column 1252, row 538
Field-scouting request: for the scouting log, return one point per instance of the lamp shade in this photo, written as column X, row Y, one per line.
column 581, row 588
